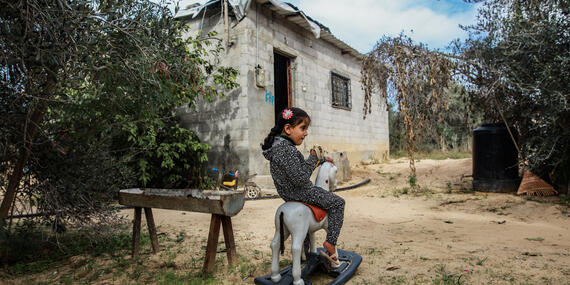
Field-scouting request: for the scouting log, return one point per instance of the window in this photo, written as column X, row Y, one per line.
column 341, row 91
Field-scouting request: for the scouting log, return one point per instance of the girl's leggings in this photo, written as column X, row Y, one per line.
column 333, row 204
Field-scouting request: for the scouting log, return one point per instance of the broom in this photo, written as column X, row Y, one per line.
column 532, row 185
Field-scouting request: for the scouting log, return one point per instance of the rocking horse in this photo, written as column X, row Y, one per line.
column 299, row 219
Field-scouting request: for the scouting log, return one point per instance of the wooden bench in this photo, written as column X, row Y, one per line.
column 221, row 204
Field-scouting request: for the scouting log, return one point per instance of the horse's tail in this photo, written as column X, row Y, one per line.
column 281, row 239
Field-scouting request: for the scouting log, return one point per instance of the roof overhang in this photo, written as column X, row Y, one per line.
column 288, row 11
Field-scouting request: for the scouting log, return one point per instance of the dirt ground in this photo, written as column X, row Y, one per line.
column 443, row 234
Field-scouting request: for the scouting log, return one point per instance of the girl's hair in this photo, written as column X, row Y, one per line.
column 292, row 116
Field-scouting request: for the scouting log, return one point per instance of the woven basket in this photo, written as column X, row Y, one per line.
column 532, row 185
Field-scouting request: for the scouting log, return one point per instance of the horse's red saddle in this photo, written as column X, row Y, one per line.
column 319, row 213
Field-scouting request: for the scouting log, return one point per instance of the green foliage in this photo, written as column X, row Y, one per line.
column 481, row 261
column 564, row 200
column 396, row 130
column 169, row 277
column 180, row 237
column 445, row 278
column 448, row 135
column 448, row 187
column 172, row 159
column 436, row 155
column 515, row 65
column 93, row 255
column 452, row 131
column 106, row 82
column 536, row 239
column 412, row 181
column 32, row 248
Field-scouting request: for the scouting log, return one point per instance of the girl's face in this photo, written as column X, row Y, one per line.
column 298, row 132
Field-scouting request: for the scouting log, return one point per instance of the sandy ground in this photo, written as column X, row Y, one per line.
column 444, row 231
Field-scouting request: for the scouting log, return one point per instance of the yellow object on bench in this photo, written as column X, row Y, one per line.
column 230, row 183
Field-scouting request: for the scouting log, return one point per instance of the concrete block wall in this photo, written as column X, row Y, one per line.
column 222, row 123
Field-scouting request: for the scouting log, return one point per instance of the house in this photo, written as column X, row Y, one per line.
column 285, row 58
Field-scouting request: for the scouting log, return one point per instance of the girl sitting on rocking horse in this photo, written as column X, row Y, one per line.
column 291, row 173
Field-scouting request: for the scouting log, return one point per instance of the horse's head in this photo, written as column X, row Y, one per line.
column 326, row 178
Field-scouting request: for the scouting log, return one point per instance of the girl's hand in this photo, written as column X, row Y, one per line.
column 314, row 151
column 328, row 159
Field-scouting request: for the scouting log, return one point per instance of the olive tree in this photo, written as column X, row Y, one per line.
column 415, row 77
column 87, row 97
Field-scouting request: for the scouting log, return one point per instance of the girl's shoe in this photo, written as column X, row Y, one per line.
column 333, row 263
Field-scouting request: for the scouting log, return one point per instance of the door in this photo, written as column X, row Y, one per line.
column 282, row 83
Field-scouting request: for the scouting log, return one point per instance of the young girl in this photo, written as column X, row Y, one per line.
column 291, row 172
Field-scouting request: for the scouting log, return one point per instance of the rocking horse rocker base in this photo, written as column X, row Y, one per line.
column 316, row 263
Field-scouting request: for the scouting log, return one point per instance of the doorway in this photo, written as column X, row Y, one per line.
column 282, row 83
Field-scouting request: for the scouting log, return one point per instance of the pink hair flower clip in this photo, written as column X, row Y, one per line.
column 287, row 114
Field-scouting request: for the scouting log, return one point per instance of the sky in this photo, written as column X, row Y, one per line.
column 361, row 23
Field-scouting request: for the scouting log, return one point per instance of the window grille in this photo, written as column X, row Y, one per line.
column 341, row 91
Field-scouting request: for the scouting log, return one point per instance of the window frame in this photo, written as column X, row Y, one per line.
column 348, row 94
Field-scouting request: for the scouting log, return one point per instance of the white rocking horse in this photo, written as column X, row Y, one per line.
column 297, row 219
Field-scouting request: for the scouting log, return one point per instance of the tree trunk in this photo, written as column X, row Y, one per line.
column 29, row 136
column 18, row 170
column 454, row 142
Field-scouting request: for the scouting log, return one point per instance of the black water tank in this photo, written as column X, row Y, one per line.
column 495, row 159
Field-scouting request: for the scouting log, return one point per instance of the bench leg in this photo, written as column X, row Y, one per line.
column 229, row 239
column 212, row 246
column 136, row 232
column 151, row 229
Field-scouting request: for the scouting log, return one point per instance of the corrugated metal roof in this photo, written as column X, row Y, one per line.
column 301, row 19
column 294, row 15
